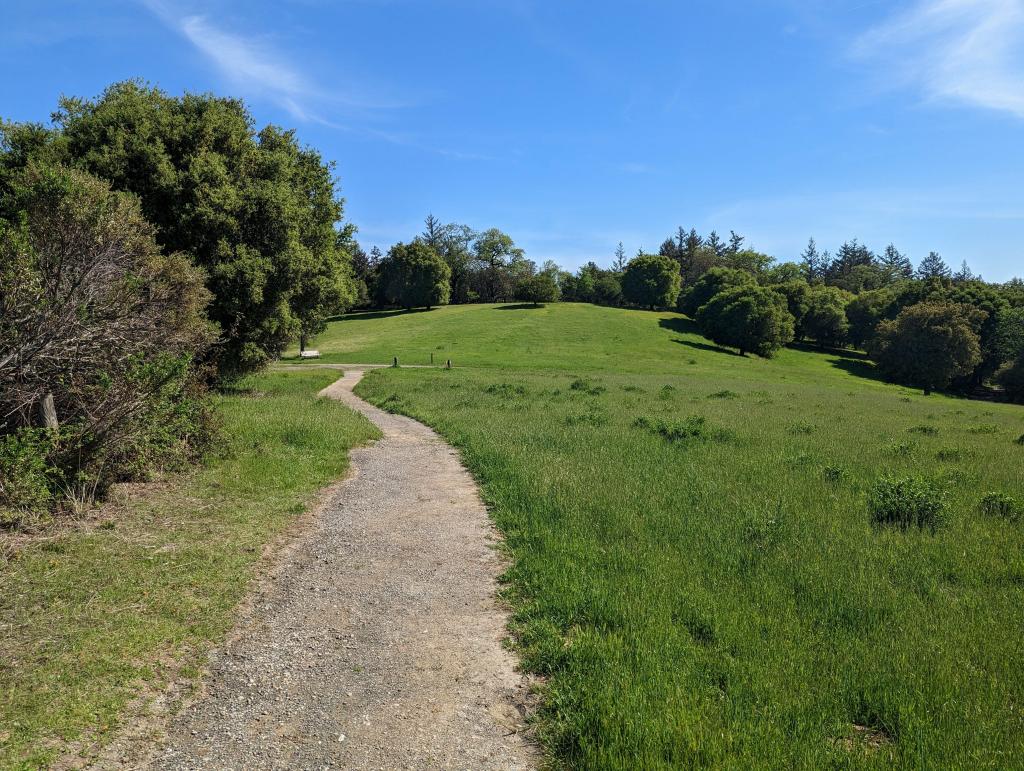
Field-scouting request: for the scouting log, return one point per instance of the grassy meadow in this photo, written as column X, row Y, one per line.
column 91, row 616
column 694, row 571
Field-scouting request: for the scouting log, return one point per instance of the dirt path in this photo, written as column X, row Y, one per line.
column 378, row 645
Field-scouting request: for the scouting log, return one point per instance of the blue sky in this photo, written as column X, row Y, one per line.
column 573, row 125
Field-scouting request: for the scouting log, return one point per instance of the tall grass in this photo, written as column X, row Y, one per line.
column 717, row 593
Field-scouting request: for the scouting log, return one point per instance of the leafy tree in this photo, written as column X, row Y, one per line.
column 782, row 273
column 797, row 295
column 1011, row 378
column 538, row 288
column 256, row 211
column 1008, row 342
column 933, row 266
column 452, row 241
column 749, row 260
column 608, row 289
column 865, row 311
column 710, row 284
column 825, row 319
column 414, row 276
column 750, row 318
column 862, row 278
column 652, row 281
column 929, row 344
column 497, row 262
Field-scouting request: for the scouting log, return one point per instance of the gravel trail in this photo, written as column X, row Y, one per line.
column 376, row 643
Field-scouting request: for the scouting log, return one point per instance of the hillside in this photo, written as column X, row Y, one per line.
column 695, row 569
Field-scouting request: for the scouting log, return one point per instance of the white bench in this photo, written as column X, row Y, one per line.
column 309, row 354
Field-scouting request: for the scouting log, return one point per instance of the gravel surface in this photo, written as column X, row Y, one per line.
column 376, row 642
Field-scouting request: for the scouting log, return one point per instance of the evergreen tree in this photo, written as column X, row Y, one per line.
column 735, row 242
column 715, row 243
column 896, row 264
column 933, row 266
column 965, row 274
column 620, row 262
column 813, row 262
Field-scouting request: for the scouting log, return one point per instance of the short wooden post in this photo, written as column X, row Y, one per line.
column 431, row 358
column 395, row 364
column 49, row 411
column 448, row 364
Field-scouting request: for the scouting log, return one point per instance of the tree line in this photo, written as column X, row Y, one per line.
column 928, row 326
column 150, row 245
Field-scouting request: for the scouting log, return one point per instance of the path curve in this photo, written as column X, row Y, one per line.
column 378, row 645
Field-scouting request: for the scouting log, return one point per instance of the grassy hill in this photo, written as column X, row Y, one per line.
column 695, row 572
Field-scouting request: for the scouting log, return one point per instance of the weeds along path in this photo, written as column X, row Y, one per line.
column 378, row 645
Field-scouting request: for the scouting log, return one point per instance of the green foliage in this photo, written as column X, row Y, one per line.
column 907, row 502
column 928, row 344
column 708, row 285
column 1002, row 505
column 750, row 318
column 798, row 297
column 693, row 428
column 866, row 311
column 255, row 210
column 538, row 289
column 1011, row 378
column 414, row 275
column 651, row 281
column 825, row 318
column 27, row 476
column 98, row 322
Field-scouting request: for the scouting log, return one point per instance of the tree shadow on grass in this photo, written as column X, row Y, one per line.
column 846, row 353
column 687, row 327
column 378, row 314
column 861, row 367
column 519, row 307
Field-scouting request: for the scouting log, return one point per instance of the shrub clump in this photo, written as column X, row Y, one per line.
column 693, row 428
column 724, row 394
column 924, row 429
column 833, row 474
column 506, row 390
column 1020, row 440
column 580, row 384
column 907, row 502
column 1002, row 505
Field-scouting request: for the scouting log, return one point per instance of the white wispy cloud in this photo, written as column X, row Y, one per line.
column 966, row 51
column 255, row 67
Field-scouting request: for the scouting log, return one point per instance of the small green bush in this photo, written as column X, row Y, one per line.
column 901, row 449
column 1020, row 439
column 924, row 429
column 506, row 390
column 833, row 474
column 27, row 476
column 724, row 394
column 694, row 428
column 1003, row 506
column 587, row 387
column 907, row 502
column 801, row 427
column 949, row 454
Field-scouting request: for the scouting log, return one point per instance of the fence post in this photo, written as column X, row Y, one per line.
column 448, row 365
column 395, row 364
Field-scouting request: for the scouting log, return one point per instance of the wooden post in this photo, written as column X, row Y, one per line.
column 49, row 411
column 395, row 364
column 431, row 358
column 448, row 365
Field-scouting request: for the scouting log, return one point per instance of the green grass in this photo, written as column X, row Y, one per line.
column 91, row 617
column 695, row 571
